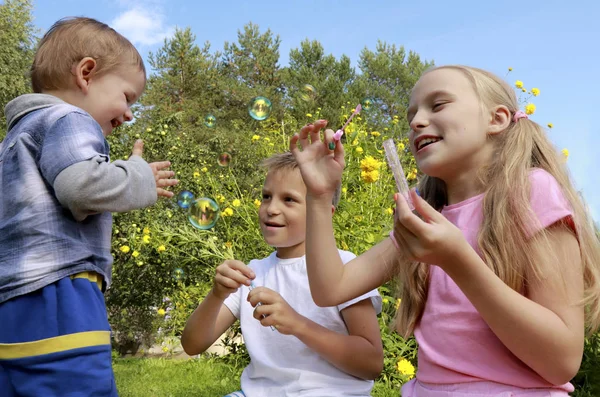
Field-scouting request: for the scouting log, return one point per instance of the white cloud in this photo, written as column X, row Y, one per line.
column 142, row 26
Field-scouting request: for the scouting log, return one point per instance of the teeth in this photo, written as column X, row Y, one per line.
column 426, row 141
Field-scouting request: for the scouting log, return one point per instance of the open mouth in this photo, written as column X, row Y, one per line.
column 272, row 224
column 426, row 142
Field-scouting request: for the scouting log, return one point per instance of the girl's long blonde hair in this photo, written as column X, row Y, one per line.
column 507, row 213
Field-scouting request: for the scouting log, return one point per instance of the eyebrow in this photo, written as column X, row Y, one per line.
column 433, row 94
column 291, row 193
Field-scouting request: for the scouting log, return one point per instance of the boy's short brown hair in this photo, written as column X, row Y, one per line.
column 287, row 161
column 70, row 40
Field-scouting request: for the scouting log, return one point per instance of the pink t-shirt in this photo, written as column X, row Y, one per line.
column 455, row 343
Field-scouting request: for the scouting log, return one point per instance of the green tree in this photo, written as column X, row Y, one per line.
column 17, row 42
column 330, row 78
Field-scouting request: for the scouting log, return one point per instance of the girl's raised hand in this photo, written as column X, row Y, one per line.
column 321, row 162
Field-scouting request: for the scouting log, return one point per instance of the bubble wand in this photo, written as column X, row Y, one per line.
column 251, row 287
column 338, row 134
column 391, row 154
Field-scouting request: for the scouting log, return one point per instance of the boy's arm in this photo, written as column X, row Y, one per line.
column 95, row 186
column 360, row 353
column 209, row 321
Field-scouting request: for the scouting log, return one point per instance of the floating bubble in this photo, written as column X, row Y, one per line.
column 367, row 104
column 210, row 121
column 259, row 108
column 224, row 159
column 185, row 199
column 203, row 213
column 178, row 274
column 308, row 93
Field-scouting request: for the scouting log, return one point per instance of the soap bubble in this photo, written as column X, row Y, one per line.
column 210, row 121
column 184, row 199
column 259, row 108
column 203, row 213
column 224, row 159
column 308, row 93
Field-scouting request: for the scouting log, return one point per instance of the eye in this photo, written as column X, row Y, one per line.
column 266, row 196
column 437, row 106
column 290, row 199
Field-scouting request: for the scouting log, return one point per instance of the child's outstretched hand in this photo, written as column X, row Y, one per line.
column 230, row 275
column 162, row 177
column 427, row 237
column 321, row 162
column 274, row 311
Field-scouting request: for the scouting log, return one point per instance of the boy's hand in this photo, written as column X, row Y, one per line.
column 320, row 166
column 230, row 275
column 162, row 177
column 273, row 310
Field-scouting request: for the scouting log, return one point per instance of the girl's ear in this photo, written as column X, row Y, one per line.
column 499, row 120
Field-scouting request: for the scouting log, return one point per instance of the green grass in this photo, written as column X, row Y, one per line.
column 158, row 377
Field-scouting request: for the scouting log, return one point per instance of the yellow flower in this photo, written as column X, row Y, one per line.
column 389, row 211
column 236, row 203
column 355, row 142
column 375, row 133
column 227, row 212
column 161, row 312
column 550, row 125
column 161, row 248
column 359, row 150
column 308, row 115
column 401, row 146
column 406, row 368
column 398, row 301
column 385, row 300
column 257, row 202
column 535, row 91
column 221, row 198
column 524, row 89
column 165, row 349
column 255, row 137
column 344, row 190
column 228, row 244
column 369, row 176
column 530, row 108
column 146, row 239
column 204, row 169
column 369, row 164
column 148, row 129
column 411, row 176
column 135, row 254
column 565, row 153
column 146, row 230
column 124, row 249
column 519, row 84
column 267, row 139
column 140, row 263
column 196, row 174
column 510, row 69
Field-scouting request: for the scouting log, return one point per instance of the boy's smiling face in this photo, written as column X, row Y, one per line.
column 282, row 212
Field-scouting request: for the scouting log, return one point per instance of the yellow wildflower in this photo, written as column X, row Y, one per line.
column 524, row 89
column 257, row 202
column 146, row 239
column 344, row 190
column 535, row 91
column 385, row 301
column 140, row 263
column 161, row 312
column 146, row 230
column 148, row 129
column 375, row 133
column 565, row 153
column 530, row 108
column 401, row 146
column 228, row 244
column 135, row 254
column 398, row 301
column 227, row 212
column 406, row 368
column 255, row 137
column 369, row 164
column 204, row 169
column 369, row 176
column 161, row 248
column 165, row 349
column 267, row 139
column 308, row 115
column 519, row 84
column 236, row 203
column 411, row 176
column 389, row 211
column 196, row 174
column 359, row 150
column 221, row 198
column 355, row 142
column 550, row 125
column 124, row 249
column 510, row 69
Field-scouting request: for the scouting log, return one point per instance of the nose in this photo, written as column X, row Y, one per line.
column 419, row 121
column 272, row 208
column 128, row 116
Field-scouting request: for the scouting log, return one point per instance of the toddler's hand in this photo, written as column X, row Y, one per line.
column 230, row 275
column 162, row 177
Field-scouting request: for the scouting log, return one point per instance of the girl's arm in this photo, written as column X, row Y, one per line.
column 332, row 282
column 545, row 330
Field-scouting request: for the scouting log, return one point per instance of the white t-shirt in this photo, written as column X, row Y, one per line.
column 281, row 365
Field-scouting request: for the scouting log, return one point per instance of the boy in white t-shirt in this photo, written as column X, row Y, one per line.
column 296, row 347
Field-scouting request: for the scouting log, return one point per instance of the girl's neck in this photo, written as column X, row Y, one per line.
column 463, row 188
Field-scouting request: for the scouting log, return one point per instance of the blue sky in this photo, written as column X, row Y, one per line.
column 552, row 45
